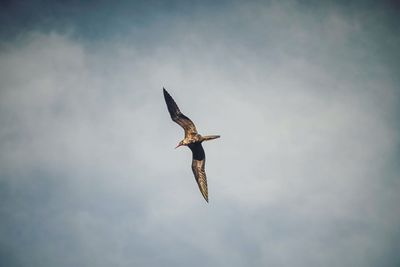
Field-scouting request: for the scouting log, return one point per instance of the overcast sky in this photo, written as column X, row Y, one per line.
column 304, row 95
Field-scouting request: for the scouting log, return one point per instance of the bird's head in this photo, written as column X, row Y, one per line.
column 181, row 143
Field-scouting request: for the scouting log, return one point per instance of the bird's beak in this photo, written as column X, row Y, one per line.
column 177, row 146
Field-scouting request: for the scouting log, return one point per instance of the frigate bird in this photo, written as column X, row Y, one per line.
column 193, row 140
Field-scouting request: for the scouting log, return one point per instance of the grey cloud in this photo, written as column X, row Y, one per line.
column 306, row 102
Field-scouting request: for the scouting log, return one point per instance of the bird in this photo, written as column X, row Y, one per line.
column 192, row 140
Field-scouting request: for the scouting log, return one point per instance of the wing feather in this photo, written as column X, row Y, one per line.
column 198, row 168
column 177, row 116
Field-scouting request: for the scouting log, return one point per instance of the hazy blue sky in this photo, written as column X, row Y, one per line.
column 305, row 96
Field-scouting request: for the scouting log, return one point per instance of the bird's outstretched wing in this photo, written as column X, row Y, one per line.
column 198, row 163
column 177, row 116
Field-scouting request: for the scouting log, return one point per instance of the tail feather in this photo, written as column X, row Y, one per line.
column 210, row 137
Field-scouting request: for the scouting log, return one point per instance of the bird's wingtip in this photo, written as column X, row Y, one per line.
column 205, row 197
column 165, row 91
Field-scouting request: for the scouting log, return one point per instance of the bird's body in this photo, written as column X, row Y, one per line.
column 193, row 140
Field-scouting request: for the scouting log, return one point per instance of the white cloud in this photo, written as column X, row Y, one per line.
column 301, row 175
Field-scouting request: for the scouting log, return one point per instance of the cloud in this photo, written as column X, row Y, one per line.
column 304, row 173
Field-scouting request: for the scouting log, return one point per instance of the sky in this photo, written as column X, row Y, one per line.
column 304, row 94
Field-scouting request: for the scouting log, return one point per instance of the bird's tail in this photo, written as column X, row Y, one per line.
column 210, row 137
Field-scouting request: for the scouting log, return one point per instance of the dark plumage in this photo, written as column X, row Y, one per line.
column 193, row 140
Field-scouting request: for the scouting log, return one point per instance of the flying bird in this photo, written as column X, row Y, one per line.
column 193, row 140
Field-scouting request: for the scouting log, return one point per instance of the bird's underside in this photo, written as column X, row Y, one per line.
column 193, row 140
